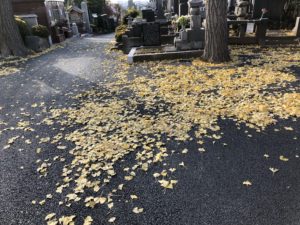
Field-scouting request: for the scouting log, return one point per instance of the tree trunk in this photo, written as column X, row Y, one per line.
column 11, row 42
column 216, row 33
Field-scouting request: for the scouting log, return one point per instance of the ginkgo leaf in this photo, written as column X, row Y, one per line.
column 49, row 196
column 110, row 205
column 67, row 220
column 282, row 158
column 52, row 222
column 60, row 147
column 181, row 164
column 133, row 197
column 168, row 184
column 128, row 178
column 247, row 183
column 137, row 210
column 50, row 216
column 102, row 200
column 112, row 219
column 184, row 151
column 111, row 172
column 88, row 220
column 201, row 150
column 273, row 170
column 42, row 202
column 164, row 173
column 172, row 170
column 156, row 175
column 28, row 142
column 120, row 187
column 145, row 166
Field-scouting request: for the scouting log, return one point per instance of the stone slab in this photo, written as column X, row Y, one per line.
column 167, row 53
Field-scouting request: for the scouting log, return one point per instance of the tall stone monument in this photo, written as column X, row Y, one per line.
column 192, row 38
column 86, row 18
column 242, row 12
column 160, row 10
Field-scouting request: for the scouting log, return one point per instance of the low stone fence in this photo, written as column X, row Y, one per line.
column 260, row 33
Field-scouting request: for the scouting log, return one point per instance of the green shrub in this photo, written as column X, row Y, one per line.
column 183, row 21
column 130, row 13
column 23, row 27
column 40, row 31
column 120, row 30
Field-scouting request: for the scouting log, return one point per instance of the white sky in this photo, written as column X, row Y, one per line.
column 124, row 2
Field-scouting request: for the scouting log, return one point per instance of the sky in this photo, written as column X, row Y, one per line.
column 124, row 2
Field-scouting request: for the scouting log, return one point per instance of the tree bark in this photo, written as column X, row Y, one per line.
column 216, row 33
column 11, row 42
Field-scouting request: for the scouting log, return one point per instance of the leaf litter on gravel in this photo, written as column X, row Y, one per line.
column 131, row 116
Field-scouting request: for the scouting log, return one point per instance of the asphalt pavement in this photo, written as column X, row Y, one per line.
column 210, row 191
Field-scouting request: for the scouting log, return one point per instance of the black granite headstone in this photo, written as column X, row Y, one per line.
column 148, row 15
column 151, row 33
column 176, row 7
column 183, row 8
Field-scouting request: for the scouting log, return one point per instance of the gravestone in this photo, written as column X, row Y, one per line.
column 250, row 27
column 242, row 9
column 183, row 8
column 129, row 21
column 151, row 34
column 160, row 10
column 68, row 20
column 176, row 7
column 30, row 19
column 192, row 38
column 148, row 15
column 86, row 19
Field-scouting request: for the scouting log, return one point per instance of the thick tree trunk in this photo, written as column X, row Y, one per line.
column 216, row 33
column 11, row 42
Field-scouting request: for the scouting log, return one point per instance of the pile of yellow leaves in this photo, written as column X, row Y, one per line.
column 131, row 115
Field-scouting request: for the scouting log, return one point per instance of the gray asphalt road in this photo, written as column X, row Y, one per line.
column 209, row 191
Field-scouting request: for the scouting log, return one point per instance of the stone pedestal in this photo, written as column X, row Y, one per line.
column 37, row 44
column 183, row 8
